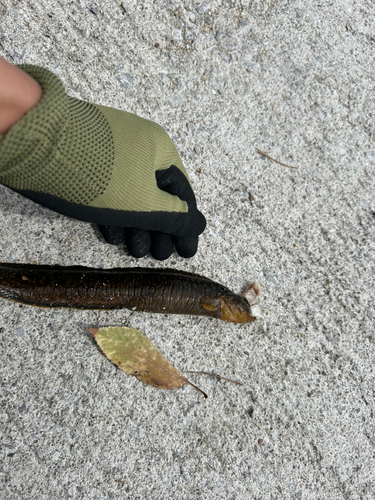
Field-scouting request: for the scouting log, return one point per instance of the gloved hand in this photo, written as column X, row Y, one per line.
column 105, row 166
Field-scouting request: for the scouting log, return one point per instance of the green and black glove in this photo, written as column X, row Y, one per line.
column 104, row 166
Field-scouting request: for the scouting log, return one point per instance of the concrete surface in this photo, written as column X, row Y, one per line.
column 296, row 80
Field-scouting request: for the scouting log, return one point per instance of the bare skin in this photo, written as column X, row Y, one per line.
column 19, row 93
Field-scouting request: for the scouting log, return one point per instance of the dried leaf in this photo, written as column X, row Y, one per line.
column 136, row 355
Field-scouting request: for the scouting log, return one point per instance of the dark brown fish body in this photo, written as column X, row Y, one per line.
column 142, row 289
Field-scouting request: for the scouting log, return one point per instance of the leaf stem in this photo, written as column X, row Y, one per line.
column 196, row 387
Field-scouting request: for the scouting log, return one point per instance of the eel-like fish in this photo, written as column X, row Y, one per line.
column 142, row 289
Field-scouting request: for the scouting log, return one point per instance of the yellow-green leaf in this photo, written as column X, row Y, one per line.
column 136, row 355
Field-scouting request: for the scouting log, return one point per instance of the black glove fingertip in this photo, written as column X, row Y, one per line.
column 186, row 246
column 114, row 235
column 138, row 242
column 161, row 245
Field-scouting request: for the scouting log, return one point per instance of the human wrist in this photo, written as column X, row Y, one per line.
column 19, row 93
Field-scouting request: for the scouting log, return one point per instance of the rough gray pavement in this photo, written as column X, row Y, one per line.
column 295, row 79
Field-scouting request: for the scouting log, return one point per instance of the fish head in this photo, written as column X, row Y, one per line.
column 235, row 309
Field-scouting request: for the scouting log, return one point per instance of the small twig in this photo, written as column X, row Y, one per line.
column 214, row 375
column 276, row 161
